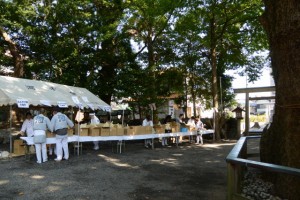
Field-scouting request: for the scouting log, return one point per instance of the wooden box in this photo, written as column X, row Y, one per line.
column 175, row 127
column 139, row 130
column 70, row 131
column 113, row 131
column 19, row 148
column 94, row 131
column 129, row 130
column 83, row 131
column 159, row 128
column 104, row 131
column 120, row 131
column 148, row 129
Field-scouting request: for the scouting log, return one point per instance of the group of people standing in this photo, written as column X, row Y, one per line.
column 193, row 122
column 37, row 128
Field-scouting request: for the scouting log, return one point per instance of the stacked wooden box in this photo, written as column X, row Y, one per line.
column 19, row 148
column 175, row 127
column 83, row 129
column 112, row 130
column 159, row 128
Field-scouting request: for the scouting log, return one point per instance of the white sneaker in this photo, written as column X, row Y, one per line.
column 38, row 162
column 57, row 160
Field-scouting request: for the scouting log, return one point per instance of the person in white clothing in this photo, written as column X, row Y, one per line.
column 40, row 125
column 168, row 129
column 199, row 128
column 95, row 120
column 60, row 123
column 192, row 125
column 148, row 122
column 27, row 126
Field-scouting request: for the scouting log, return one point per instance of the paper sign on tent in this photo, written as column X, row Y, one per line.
column 23, row 103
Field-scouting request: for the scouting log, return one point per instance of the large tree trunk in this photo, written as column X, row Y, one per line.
column 281, row 144
column 213, row 58
column 14, row 51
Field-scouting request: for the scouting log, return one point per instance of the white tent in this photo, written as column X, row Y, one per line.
column 25, row 92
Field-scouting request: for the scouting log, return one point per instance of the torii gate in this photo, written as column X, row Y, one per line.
column 253, row 90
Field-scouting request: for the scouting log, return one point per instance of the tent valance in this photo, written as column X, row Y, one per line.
column 24, row 92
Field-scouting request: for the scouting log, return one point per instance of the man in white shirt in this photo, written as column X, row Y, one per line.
column 148, row 122
column 40, row 125
column 27, row 126
column 60, row 123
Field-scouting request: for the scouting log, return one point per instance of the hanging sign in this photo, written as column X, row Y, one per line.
column 62, row 104
column 23, row 103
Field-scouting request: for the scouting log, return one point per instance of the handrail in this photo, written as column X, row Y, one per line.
column 236, row 162
column 234, row 157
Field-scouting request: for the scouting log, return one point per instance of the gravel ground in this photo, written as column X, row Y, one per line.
column 187, row 172
column 255, row 188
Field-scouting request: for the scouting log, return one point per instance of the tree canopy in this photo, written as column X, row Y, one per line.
column 146, row 50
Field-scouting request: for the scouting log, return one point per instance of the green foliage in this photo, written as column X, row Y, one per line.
column 257, row 118
column 146, row 50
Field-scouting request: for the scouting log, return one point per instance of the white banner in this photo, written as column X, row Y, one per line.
column 23, row 103
column 62, row 104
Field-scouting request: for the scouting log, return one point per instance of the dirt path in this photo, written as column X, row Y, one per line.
column 187, row 172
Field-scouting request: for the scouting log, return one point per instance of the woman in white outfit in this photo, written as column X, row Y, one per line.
column 199, row 128
column 94, row 121
column 40, row 125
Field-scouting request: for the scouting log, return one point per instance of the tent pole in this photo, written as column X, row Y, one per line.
column 10, row 126
column 78, row 135
column 123, row 119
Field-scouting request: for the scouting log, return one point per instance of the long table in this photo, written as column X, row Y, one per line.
column 79, row 139
column 76, row 138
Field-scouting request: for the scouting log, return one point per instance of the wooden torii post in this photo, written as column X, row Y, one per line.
column 253, row 90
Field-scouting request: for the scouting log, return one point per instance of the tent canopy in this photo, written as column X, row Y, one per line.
column 24, row 92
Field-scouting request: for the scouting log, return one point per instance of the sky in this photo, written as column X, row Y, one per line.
column 264, row 80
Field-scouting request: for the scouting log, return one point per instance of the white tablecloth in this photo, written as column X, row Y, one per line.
column 75, row 138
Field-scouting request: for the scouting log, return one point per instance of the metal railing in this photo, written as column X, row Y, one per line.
column 237, row 164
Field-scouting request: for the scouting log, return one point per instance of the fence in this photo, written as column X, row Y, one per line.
column 237, row 164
